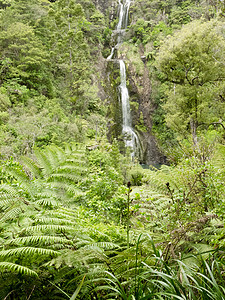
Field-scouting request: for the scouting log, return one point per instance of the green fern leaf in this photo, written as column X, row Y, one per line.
column 28, row 251
column 102, row 245
column 40, row 239
column 65, row 177
column 50, row 227
column 31, row 166
column 69, row 187
column 48, row 202
column 11, row 214
column 22, row 179
column 55, row 221
column 16, row 268
column 9, row 190
column 43, row 162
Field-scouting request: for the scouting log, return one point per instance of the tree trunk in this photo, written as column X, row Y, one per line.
column 193, row 125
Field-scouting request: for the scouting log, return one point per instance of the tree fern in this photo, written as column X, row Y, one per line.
column 52, row 220
column 23, row 180
column 12, row 203
column 43, row 194
column 50, row 228
column 44, row 163
column 49, row 240
column 12, row 267
column 29, row 251
column 31, row 167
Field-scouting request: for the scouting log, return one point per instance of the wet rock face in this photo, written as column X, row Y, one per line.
column 150, row 151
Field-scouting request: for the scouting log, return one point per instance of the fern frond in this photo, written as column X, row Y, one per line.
column 43, row 162
column 61, row 155
column 31, row 166
column 8, row 190
column 76, row 147
column 22, row 179
column 52, row 156
column 11, row 214
column 69, row 168
column 55, row 221
column 48, row 202
column 50, row 227
column 28, row 251
column 65, row 177
column 67, row 187
column 79, row 258
column 66, row 214
column 40, row 239
column 68, row 149
column 6, row 201
column 46, row 191
column 101, row 245
column 16, row 268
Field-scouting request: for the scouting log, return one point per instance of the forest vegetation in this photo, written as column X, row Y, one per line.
column 79, row 218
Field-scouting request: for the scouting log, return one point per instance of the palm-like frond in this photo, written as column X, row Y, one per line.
column 8, row 190
column 31, row 166
column 59, row 221
column 22, row 179
column 43, row 162
column 12, row 203
column 11, row 213
column 12, row 267
column 65, row 177
column 48, row 202
column 51, row 177
column 21, row 251
column 101, row 246
column 49, row 240
column 50, row 228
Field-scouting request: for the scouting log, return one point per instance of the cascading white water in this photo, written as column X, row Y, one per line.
column 121, row 12
column 111, row 54
column 127, row 6
column 123, row 15
column 131, row 139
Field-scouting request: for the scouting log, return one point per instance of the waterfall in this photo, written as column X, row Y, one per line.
column 123, row 15
column 130, row 138
column 111, row 54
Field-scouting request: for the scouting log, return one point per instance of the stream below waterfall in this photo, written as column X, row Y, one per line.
column 130, row 137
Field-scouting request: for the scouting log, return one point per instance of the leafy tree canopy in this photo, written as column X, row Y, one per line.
column 192, row 62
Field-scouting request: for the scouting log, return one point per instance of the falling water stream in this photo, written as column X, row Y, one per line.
column 123, row 14
column 130, row 137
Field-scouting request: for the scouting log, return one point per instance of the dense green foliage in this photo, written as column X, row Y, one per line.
column 47, row 92
column 68, row 223
column 79, row 220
